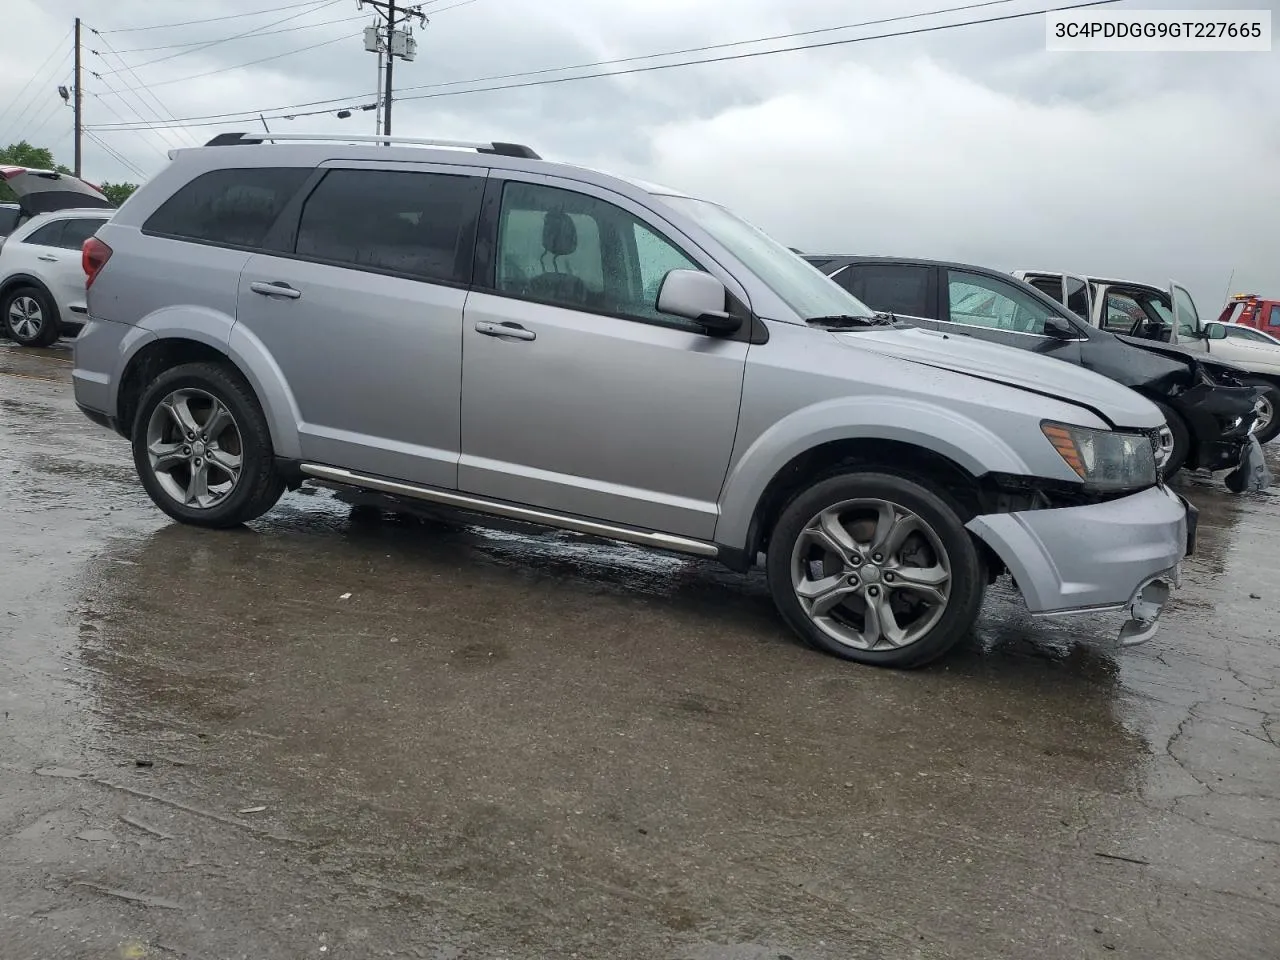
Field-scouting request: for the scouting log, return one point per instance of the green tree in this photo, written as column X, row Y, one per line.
column 23, row 154
column 118, row 193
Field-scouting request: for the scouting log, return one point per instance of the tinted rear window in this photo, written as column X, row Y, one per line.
column 8, row 220
column 50, row 235
column 416, row 224
column 232, row 207
column 78, row 231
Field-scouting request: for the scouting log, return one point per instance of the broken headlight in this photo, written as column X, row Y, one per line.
column 1104, row 459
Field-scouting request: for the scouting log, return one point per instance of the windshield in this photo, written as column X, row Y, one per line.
column 797, row 284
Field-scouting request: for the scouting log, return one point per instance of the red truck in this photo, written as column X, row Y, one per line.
column 1249, row 310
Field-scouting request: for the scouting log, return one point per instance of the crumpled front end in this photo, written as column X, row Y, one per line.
column 1121, row 554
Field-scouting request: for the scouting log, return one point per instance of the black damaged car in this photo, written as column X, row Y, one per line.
column 1210, row 413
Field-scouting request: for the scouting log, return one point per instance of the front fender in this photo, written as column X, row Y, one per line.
column 245, row 351
column 921, row 424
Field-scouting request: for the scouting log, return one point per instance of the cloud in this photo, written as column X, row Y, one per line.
column 972, row 143
column 921, row 161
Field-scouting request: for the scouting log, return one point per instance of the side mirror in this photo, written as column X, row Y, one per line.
column 699, row 297
column 1060, row 329
column 1214, row 331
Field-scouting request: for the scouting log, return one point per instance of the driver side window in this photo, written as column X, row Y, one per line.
column 982, row 301
column 571, row 250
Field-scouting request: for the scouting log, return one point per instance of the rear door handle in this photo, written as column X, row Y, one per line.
column 277, row 288
column 507, row 330
column 47, row 259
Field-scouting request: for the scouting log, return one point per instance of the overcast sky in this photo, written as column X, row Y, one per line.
column 971, row 144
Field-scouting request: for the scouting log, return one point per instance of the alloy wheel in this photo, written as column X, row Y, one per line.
column 194, row 448
column 25, row 318
column 1264, row 412
column 871, row 574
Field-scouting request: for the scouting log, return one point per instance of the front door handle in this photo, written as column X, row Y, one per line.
column 506, row 330
column 47, row 259
column 277, row 288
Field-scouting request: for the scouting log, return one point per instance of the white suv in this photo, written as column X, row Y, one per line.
column 41, row 277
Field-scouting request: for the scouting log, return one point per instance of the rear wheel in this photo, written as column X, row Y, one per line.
column 875, row 568
column 30, row 318
column 202, row 448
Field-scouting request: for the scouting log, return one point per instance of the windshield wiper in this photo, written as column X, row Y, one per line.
column 849, row 320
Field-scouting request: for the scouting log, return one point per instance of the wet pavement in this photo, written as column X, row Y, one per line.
column 344, row 734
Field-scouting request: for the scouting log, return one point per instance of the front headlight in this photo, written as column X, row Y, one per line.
column 1104, row 459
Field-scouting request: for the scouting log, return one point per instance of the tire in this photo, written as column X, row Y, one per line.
column 797, row 555
column 1267, row 433
column 168, row 457
column 30, row 317
column 1181, row 440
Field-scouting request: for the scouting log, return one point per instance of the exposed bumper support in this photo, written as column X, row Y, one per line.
column 1119, row 555
column 1145, row 607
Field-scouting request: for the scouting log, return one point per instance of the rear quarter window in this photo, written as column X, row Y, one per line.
column 234, row 207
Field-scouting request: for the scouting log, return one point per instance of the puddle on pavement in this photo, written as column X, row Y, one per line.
column 523, row 732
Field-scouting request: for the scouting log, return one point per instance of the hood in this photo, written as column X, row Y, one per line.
column 1014, row 368
column 44, row 191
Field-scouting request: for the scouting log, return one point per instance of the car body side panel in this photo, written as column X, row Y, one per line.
column 1091, row 556
column 103, row 353
column 803, row 391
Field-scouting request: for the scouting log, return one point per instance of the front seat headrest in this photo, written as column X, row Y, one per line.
column 559, row 235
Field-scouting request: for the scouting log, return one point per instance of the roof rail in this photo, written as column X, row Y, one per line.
column 496, row 147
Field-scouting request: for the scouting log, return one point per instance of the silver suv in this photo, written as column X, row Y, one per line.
column 470, row 325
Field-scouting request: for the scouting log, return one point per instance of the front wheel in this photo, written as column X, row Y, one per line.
column 875, row 568
column 1175, row 445
column 1267, row 424
column 202, row 448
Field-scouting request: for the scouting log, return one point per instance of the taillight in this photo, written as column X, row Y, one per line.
column 93, row 257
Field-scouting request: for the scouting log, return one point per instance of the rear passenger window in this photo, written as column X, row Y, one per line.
column 421, row 225
column 49, row 235
column 893, row 287
column 233, row 207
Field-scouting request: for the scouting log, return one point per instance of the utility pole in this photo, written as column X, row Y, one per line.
column 391, row 62
column 390, row 43
column 79, row 98
column 377, row 97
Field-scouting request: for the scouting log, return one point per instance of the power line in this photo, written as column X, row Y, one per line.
column 631, row 59
column 230, row 16
column 650, row 68
column 156, row 99
column 116, row 113
column 256, row 34
column 210, row 120
column 16, row 123
column 48, row 115
column 238, row 36
column 251, row 63
column 123, row 161
column 452, row 6
column 13, row 101
column 159, row 125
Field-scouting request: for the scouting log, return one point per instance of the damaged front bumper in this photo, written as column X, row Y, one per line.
column 1220, row 418
column 1119, row 555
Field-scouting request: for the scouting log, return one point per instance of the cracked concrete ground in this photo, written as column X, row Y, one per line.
column 519, row 744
